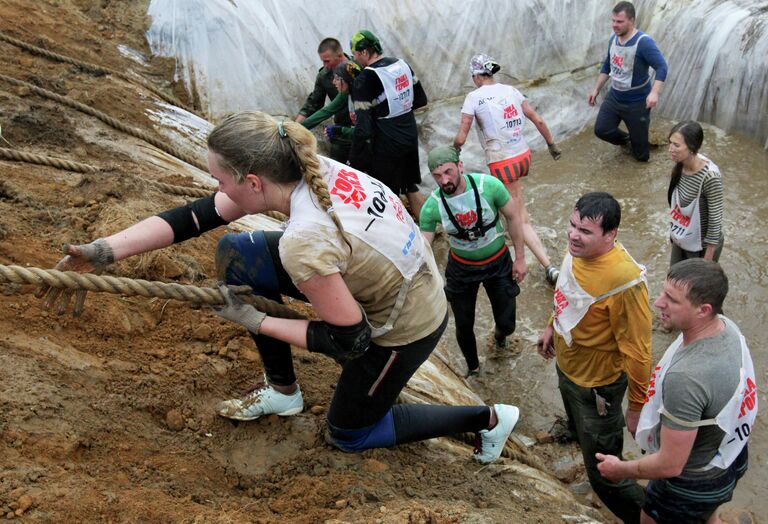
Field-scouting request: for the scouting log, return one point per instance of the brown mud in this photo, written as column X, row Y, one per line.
column 109, row 416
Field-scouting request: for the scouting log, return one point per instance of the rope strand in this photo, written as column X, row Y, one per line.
column 135, row 287
column 113, row 122
column 92, row 68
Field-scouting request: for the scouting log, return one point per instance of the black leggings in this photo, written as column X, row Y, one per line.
column 370, row 384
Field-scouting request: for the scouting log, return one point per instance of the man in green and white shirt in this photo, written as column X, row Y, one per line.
column 468, row 207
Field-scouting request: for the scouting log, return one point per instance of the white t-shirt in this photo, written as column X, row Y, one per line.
column 498, row 109
column 381, row 249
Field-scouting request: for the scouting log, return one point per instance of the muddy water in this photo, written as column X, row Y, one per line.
column 589, row 164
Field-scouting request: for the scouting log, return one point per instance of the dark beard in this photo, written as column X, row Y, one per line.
column 449, row 190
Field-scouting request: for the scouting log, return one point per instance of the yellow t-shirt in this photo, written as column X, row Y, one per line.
column 615, row 334
column 372, row 279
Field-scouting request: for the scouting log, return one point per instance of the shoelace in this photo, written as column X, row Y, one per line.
column 258, row 386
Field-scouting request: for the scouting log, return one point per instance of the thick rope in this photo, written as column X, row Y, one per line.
column 91, row 68
column 32, row 158
column 135, row 287
column 113, row 122
column 60, row 163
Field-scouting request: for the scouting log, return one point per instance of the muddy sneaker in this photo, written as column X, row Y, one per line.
column 561, row 432
column 551, row 274
column 263, row 399
column 472, row 373
column 492, row 440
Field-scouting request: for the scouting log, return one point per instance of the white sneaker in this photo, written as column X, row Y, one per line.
column 262, row 400
column 492, row 440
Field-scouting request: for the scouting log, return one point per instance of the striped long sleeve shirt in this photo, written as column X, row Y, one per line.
column 710, row 201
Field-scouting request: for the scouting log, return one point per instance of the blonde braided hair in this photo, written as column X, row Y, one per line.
column 284, row 152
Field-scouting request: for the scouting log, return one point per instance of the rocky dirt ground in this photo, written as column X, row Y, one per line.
column 108, row 417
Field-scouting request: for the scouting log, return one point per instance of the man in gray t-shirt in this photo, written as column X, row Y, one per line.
column 701, row 379
column 694, row 465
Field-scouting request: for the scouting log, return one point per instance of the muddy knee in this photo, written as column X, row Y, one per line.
column 227, row 256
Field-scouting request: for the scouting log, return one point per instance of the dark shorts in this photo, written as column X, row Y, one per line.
column 399, row 173
column 695, row 498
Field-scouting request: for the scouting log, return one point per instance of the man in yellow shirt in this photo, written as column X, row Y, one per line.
column 600, row 332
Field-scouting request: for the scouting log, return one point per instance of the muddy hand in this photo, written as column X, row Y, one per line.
column 82, row 258
column 555, row 151
column 544, row 345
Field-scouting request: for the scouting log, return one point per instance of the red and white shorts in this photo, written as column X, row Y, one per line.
column 511, row 169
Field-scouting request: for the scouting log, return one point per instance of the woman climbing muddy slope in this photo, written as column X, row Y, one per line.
column 351, row 250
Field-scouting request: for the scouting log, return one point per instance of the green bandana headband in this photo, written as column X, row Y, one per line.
column 442, row 155
column 364, row 39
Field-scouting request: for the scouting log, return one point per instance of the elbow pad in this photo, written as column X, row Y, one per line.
column 342, row 343
column 182, row 218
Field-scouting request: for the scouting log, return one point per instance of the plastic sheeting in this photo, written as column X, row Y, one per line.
column 237, row 54
column 718, row 60
column 241, row 55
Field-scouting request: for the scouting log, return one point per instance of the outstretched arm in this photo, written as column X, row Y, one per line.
column 148, row 235
column 155, row 233
column 669, row 462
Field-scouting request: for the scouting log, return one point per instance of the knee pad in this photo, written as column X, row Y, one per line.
column 378, row 435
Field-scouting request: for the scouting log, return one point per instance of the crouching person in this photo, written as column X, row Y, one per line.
column 352, row 251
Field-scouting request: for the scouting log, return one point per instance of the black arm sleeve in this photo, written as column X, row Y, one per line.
column 340, row 342
column 182, row 218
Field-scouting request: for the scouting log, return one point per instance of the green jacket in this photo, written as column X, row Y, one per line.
column 324, row 88
column 339, row 103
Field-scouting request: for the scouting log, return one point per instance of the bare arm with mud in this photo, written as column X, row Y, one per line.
column 332, row 302
column 148, row 235
column 602, row 78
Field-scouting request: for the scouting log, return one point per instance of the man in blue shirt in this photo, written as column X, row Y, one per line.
column 634, row 92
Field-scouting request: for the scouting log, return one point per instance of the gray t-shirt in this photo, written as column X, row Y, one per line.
column 701, row 379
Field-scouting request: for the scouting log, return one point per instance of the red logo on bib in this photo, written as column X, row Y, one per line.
column 678, row 216
column 466, row 219
column 750, row 398
column 561, row 302
column 398, row 207
column 401, row 82
column 348, row 188
column 652, row 384
column 617, row 60
column 510, row 112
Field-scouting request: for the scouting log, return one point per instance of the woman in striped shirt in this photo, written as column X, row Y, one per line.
column 695, row 197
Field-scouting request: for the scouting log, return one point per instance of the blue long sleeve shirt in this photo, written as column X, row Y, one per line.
column 648, row 56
